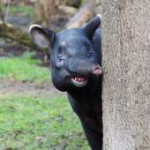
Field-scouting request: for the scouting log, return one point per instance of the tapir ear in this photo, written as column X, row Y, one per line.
column 42, row 37
column 90, row 27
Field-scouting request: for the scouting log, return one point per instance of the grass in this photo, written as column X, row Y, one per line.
column 40, row 124
column 25, row 10
column 36, row 122
column 23, row 69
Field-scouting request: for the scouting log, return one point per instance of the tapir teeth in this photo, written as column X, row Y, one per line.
column 79, row 81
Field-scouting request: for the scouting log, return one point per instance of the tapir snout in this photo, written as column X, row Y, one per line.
column 97, row 70
column 83, row 66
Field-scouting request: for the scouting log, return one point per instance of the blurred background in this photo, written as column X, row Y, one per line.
column 33, row 114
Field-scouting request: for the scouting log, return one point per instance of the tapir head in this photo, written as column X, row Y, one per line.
column 73, row 58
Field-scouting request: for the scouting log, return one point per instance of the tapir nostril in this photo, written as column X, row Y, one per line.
column 97, row 70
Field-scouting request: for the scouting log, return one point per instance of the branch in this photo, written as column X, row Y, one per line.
column 16, row 34
column 84, row 14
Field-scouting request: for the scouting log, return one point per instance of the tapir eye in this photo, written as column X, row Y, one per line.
column 60, row 58
column 90, row 54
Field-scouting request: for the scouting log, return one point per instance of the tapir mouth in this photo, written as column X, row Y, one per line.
column 79, row 81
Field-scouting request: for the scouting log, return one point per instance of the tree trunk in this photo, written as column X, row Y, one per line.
column 126, row 83
column 1, row 10
column 44, row 11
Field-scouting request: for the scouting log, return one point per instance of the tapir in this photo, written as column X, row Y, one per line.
column 76, row 68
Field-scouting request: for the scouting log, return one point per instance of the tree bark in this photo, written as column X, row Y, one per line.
column 126, row 82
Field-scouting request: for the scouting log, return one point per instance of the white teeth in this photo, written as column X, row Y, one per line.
column 79, row 81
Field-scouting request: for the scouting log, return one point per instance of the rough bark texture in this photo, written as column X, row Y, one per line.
column 126, row 84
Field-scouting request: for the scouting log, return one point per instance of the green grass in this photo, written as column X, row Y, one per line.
column 31, row 123
column 23, row 69
column 25, row 10
column 36, row 122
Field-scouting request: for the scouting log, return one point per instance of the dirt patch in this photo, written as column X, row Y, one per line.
column 45, row 89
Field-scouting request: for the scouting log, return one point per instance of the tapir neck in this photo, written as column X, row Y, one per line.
column 88, row 93
column 87, row 101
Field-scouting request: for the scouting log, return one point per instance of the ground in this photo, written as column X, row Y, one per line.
column 11, row 87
